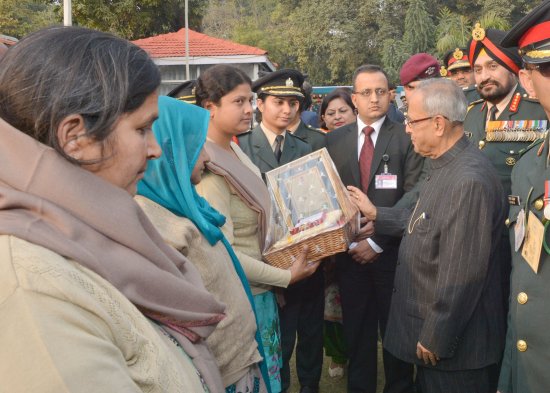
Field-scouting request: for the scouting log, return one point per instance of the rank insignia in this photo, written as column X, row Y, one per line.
column 443, row 71
column 478, row 34
column 514, row 104
column 458, row 54
column 511, row 161
column 289, row 83
column 514, row 200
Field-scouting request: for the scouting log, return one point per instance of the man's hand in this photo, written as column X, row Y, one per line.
column 362, row 202
column 424, row 354
column 366, row 230
column 363, row 253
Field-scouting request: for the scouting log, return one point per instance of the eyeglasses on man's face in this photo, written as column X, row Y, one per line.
column 410, row 122
column 368, row 92
column 543, row 69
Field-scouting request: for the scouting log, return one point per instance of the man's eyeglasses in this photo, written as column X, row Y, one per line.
column 367, row 92
column 543, row 69
column 409, row 122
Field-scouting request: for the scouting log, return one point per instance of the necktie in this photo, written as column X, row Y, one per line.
column 365, row 158
column 493, row 113
column 278, row 144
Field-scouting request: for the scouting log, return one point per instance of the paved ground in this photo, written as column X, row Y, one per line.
column 331, row 385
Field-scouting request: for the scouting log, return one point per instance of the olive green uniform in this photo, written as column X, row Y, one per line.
column 525, row 365
column 256, row 146
column 313, row 136
column 503, row 155
column 471, row 94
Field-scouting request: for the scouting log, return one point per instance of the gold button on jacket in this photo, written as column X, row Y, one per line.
column 522, row 346
column 522, row 298
column 538, row 204
column 507, row 222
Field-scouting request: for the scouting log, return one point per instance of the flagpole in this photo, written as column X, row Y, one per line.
column 186, row 40
column 67, row 13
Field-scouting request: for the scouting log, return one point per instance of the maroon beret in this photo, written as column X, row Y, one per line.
column 419, row 66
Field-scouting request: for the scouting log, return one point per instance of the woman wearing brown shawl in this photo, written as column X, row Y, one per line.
column 91, row 298
column 233, row 186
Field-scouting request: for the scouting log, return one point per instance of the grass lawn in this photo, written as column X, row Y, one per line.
column 331, row 385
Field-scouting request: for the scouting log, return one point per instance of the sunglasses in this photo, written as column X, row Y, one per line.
column 543, row 69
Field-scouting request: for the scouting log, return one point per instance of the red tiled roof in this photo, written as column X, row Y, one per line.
column 6, row 39
column 173, row 45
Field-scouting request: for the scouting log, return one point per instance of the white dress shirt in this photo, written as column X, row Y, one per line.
column 270, row 135
column 361, row 139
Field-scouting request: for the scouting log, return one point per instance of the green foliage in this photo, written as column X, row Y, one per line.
column 327, row 39
column 453, row 31
column 419, row 28
column 133, row 19
column 394, row 55
column 19, row 17
column 492, row 20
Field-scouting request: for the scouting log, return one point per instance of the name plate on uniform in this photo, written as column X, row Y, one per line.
column 515, row 130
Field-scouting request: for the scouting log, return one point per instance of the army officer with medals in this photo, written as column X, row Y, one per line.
column 503, row 100
column 502, row 122
column 525, row 366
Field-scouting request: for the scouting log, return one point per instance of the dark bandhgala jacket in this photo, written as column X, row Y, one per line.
column 393, row 145
column 447, row 291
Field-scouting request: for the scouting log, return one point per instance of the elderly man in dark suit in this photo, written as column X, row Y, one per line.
column 446, row 311
column 375, row 154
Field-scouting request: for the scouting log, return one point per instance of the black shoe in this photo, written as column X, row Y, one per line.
column 309, row 389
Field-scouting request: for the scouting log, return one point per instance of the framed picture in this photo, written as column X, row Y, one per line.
column 311, row 207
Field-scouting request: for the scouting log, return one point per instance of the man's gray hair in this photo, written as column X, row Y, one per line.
column 443, row 97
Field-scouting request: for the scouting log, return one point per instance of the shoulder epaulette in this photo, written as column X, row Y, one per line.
column 535, row 143
column 295, row 136
column 314, row 129
column 244, row 133
column 530, row 99
column 480, row 101
column 474, row 103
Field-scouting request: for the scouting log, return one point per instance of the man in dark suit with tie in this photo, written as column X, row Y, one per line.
column 446, row 311
column 375, row 155
column 269, row 146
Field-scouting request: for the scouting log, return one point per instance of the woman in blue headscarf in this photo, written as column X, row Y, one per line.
column 187, row 222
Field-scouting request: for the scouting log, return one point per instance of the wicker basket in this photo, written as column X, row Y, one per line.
column 330, row 241
column 320, row 246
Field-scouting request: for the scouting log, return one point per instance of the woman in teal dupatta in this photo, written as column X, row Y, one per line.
column 181, row 132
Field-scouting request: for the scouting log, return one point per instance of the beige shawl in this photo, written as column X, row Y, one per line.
column 50, row 202
column 248, row 185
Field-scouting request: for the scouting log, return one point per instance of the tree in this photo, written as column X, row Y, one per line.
column 394, row 55
column 419, row 28
column 134, row 19
column 19, row 17
column 453, row 31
